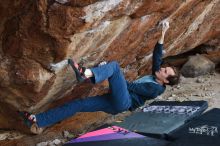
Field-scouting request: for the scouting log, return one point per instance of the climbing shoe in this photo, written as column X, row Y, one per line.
column 28, row 118
column 79, row 71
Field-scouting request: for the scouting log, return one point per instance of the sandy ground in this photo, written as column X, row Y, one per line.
column 206, row 87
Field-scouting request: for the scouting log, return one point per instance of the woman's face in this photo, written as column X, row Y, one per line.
column 163, row 73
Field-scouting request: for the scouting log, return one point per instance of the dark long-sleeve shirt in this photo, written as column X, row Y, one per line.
column 147, row 87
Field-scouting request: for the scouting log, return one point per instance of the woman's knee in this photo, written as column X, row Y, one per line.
column 115, row 64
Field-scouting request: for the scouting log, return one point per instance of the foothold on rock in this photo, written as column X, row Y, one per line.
column 196, row 66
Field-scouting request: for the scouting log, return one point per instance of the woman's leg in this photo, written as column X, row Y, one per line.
column 120, row 96
column 117, row 101
column 90, row 104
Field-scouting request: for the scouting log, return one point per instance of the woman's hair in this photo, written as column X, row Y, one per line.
column 174, row 79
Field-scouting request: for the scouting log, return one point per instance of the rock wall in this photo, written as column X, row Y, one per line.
column 38, row 33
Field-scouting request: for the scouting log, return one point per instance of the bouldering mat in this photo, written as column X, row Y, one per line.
column 115, row 135
column 162, row 117
column 201, row 131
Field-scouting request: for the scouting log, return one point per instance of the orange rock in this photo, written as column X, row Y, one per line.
column 37, row 33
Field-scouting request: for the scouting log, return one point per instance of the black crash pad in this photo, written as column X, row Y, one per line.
column 162, row 117
column 201, row 131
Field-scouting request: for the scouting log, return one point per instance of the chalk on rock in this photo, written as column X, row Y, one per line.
column 58, row 66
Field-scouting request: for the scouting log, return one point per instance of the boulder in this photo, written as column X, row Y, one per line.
column 38, row 33
column 196, row 66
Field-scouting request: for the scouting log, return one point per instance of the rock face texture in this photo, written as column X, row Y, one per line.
column 38, row 33
column 196, row 66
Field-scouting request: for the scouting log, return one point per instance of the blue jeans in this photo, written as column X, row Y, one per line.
column 115, row 102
